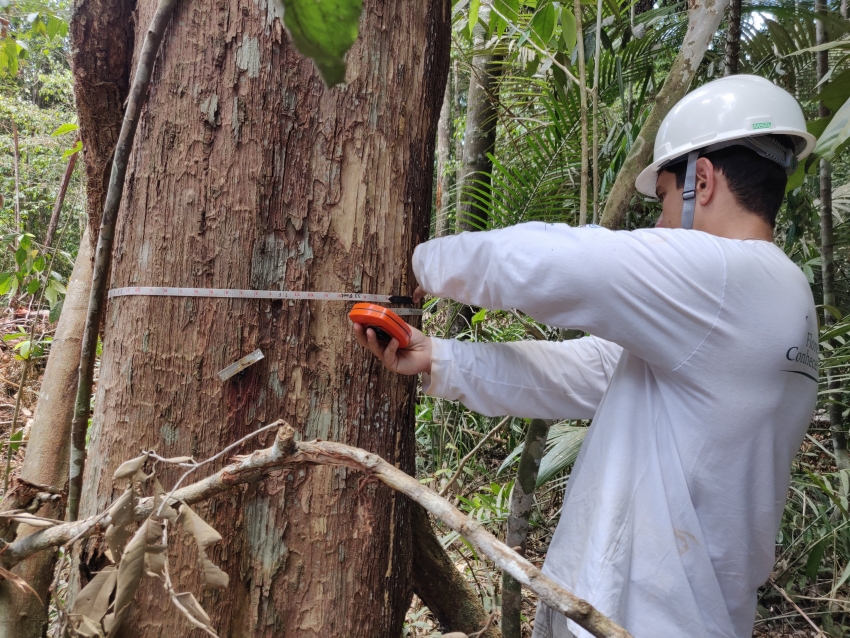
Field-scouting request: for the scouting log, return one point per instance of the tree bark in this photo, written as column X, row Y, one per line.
column 522, row 500
column 827, row 244
column 60, row 200
column 46, row 461
column 102, row 38
column 444, row 127
column 479, row 137
column 733, row 38
column 441, row 587
column 249, row 173
column 704, row 17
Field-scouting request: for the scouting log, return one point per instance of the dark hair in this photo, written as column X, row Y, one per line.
column 757, row 183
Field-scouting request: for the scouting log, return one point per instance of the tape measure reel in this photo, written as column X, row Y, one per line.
column 386, row 324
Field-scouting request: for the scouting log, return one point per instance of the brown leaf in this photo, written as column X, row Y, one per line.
column 19, row 582
column 205, row 535
column 214, row 577
column 129, row 469
column 122, row 513
column 190, row 607
column 93, row 601
column 168, row 512
column 130, row 572
column 85, row 627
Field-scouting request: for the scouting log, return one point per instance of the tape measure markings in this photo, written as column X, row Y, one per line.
column 235, row 293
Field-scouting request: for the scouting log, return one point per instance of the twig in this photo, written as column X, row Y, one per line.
column 60, row 200
column 17, row 180
column 287, row 452
column 466, row 458
column 103, row 254
column 794, row 605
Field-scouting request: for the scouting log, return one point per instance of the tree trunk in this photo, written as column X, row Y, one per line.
column 440, row 586
column 827, row 241
column 704, row 16
column 46, row 461
column 444, row 127
column 733, row 38
column 522, row 500
column 249, row 173
column 479, row 140
column 102, row 40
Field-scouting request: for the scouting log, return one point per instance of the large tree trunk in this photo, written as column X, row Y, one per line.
column 46, row 461
column 704, row 16
column 249, row 173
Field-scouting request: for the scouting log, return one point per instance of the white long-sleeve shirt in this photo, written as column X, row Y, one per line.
column 701, row 378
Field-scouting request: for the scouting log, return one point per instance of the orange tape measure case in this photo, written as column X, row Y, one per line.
column 383, row 321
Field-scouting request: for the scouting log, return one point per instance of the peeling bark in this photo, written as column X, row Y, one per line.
column 102, row 37
column 704, row 17
column 46, row 461
column 248, row 173
column 444, row 127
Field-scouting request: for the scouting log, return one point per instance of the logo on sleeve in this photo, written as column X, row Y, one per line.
column 806, row 357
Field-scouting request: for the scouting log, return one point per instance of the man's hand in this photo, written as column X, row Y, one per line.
column 414, row 359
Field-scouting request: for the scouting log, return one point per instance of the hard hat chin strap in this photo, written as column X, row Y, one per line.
column 689, row 194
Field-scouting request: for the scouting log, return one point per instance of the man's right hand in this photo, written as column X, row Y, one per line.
column 414, row 359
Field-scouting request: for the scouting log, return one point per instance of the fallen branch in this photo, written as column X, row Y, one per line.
column 287, row 452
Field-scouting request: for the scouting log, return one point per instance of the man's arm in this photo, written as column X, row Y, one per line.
column 532, row 379
column 656, row 293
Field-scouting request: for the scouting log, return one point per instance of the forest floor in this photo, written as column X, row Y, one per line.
column 781, row 621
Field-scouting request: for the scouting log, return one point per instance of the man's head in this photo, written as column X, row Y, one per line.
column 729, row 180
column 726, row 149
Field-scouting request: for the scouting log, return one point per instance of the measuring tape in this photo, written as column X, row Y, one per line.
column 235, row 293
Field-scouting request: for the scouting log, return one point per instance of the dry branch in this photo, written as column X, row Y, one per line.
column 287, row 452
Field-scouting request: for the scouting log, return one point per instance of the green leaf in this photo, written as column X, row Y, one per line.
column 67, row 127
column 479, row 316
column 474, row 6
column 503, row 11
column 21, row 255
column 51, row 295
column 26, row 241
column 24, row 348
column 836, row 134
column 39, row 263
column 76, row 148
column 32, row 287
column 324, row 31
column 56, row 310
column 568, row 30
column 836, row 93
column 10, row 49
column 543, row 25
column 58, row 287
column 15, row 440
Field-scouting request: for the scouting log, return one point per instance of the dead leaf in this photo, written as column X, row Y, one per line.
column 130, row 572
column 122, row 514
column 205, row 535
column 93, row 601
column 18, row 582
column 129, row 469
column 178, row 459
column 214, row 577
column 168, row 512
column 193, row 611
column 85, row 627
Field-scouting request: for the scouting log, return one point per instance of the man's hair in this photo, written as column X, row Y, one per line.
column 757, row 183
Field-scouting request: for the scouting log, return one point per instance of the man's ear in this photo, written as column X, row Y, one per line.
column 706, row 182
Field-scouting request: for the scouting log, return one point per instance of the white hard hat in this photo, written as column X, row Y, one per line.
column 736, row 107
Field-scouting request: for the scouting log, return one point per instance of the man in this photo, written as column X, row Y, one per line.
column 700, row 373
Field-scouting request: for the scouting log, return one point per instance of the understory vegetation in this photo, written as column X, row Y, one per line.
column 623, row 51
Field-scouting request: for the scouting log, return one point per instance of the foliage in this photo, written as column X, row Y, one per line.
column 324, row 30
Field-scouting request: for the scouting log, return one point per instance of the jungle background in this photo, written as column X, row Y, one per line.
column 509, row 149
